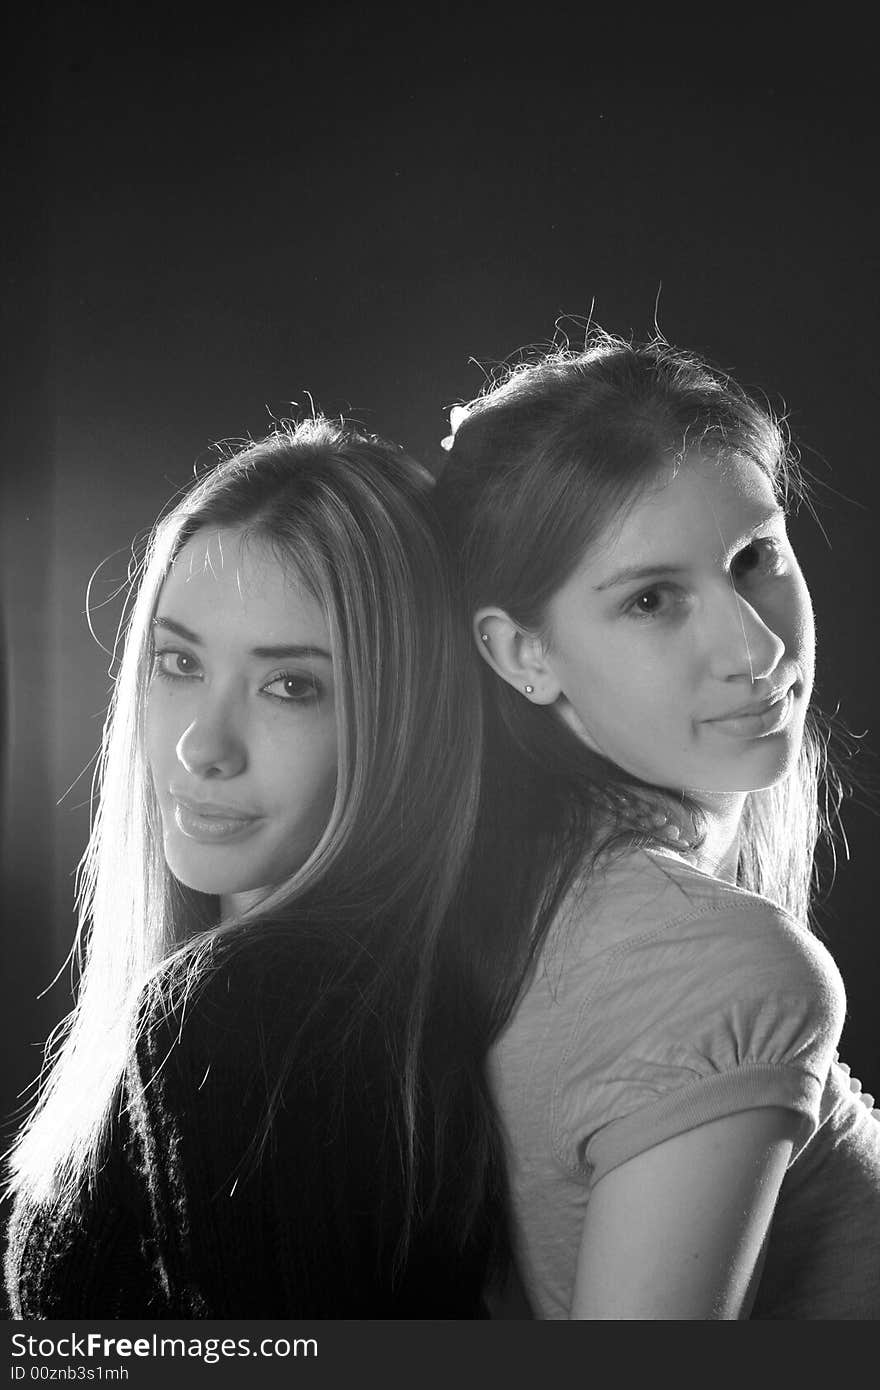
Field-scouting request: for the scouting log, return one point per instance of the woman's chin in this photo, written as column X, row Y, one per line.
column 214, row 883
column 763, row 779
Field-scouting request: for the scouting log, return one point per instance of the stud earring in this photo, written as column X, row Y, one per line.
column 529, row 689
column 484, row 636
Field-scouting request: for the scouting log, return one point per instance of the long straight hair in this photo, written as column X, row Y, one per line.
column 349, row 515
column 551, row 453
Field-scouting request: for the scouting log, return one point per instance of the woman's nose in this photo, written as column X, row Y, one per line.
column 212, row 747
column 744, row 644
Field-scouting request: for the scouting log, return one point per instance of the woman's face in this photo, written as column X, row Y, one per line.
column 684, row 643
column 240, row 723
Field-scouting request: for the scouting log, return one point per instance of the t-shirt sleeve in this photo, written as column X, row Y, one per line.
column 722, row 1011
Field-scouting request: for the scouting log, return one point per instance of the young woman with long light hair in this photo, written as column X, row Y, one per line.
column 261, row 1103
column 682, row 1140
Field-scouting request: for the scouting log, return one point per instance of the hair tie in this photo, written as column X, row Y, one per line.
column 456, row 415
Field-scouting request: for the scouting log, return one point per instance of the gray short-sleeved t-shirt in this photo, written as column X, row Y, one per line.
column 665, row 998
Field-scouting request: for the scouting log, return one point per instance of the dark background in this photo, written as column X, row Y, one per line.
column 213, row 216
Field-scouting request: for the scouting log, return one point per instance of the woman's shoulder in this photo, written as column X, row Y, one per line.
column 233, row 997
column 639, row 892
column 650, row 914
column 707, row 994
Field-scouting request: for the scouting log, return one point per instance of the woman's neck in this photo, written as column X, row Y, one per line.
column 236, row 904
column 719, row 852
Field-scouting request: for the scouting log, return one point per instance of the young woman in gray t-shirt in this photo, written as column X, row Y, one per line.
column 683, row 1141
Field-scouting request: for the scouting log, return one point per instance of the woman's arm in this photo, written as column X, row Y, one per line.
column 678, row 1231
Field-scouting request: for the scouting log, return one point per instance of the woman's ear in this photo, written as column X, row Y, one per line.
column 516, row 656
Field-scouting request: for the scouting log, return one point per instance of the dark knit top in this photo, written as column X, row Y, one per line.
column 184, row 1223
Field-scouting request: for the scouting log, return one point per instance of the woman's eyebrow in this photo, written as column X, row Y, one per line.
column 296, row 649
column 274, row 653
column 632, row 572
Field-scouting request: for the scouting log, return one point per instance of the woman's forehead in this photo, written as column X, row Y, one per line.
column 229, row 577
column 229, row 553
column 703, row 500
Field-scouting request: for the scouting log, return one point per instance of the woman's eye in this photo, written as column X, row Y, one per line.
column 292, row 689
column 762, row 556
column 174, row 665
column 651, row 603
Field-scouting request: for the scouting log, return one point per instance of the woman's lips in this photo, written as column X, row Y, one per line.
column 214, row 826
column 770, row 718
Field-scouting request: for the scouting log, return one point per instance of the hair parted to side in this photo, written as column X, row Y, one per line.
column 349, row 515
column 552, row 452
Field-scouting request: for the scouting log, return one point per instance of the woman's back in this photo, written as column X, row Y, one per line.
column 664, row 999
column 307, row 1214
